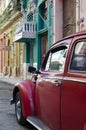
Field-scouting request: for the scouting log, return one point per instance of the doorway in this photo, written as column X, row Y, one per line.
column 44, row 45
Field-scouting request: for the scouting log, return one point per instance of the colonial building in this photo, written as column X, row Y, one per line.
column 29, row 27
column 8, row 21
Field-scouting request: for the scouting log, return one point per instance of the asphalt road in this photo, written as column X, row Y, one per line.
column 7, row 112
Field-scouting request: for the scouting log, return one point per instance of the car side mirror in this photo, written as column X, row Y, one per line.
column 32, row 69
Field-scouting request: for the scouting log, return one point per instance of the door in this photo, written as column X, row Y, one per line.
column 48, row 87
column 31, row 54
column 74, row 90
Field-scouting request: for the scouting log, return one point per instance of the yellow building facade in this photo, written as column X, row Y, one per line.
column 14, row 52
column 14, row 55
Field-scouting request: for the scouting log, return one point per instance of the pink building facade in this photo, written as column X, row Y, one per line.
column 2, row 53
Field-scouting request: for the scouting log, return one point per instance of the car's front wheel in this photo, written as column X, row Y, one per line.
column 18, row 109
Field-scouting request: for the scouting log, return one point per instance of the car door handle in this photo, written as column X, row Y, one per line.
column 58, row 83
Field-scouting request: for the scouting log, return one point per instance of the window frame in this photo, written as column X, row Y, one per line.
column 56, row 48
column 72, row 54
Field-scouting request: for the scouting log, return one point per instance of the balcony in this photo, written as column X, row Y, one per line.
column 25, row 32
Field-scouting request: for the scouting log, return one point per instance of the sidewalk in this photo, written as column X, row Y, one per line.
column 10, row 80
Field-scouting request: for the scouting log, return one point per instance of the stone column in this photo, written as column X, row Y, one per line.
column 57, row 20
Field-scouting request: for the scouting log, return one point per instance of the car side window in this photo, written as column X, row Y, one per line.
column 56, row 59
column 78, row 61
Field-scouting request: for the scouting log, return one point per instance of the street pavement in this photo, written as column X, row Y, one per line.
column 10, row 80
column 7, row 111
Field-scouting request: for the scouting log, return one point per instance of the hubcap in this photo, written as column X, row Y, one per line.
column 18, row 109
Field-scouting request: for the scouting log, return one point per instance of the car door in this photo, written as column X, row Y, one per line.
column 48, row 87
column 73, row 99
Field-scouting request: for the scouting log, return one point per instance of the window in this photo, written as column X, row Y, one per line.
column 43, row 14
column 44, row 10
column 78, row 62
column 30, row 17
column 56, row 59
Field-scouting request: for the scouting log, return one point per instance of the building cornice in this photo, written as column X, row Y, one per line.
column 14, row 19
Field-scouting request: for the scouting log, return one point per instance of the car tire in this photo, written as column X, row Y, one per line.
column 18, row 110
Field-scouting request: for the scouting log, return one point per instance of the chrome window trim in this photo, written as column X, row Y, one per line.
column 74, row 79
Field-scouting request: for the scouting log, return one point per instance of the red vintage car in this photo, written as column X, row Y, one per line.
column 55, row 97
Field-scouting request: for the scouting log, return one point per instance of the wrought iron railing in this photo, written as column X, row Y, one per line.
column 26, row 27
column 29, row 27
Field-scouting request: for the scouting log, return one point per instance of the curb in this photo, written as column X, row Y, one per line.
column 7, row 82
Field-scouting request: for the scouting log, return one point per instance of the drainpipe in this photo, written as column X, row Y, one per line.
column 78, row 15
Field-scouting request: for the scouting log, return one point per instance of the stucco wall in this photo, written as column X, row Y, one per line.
column 57, row 20
column 69, row 17
column 80, row 15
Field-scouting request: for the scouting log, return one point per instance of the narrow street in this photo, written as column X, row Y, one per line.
column 7, row 112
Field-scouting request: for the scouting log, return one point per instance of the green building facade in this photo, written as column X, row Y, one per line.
column 37, row 24
column 44, row 28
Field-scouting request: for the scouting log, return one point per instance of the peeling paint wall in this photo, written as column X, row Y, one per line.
column 69, row 17
column 80, row 15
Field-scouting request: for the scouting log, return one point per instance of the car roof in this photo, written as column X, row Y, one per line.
column 71, row 36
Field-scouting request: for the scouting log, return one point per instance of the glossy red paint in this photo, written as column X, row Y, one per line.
column 58, row 97
column 48, row 100
column 73, row 106
column 73, row 94
column 26, row 89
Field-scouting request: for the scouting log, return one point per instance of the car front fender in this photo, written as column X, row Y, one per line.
column 26, row 89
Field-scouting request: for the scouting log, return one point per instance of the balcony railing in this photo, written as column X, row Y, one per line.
column 29, row 27
column 25, row 32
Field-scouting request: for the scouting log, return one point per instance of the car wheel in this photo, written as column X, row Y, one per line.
column 18, row 109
